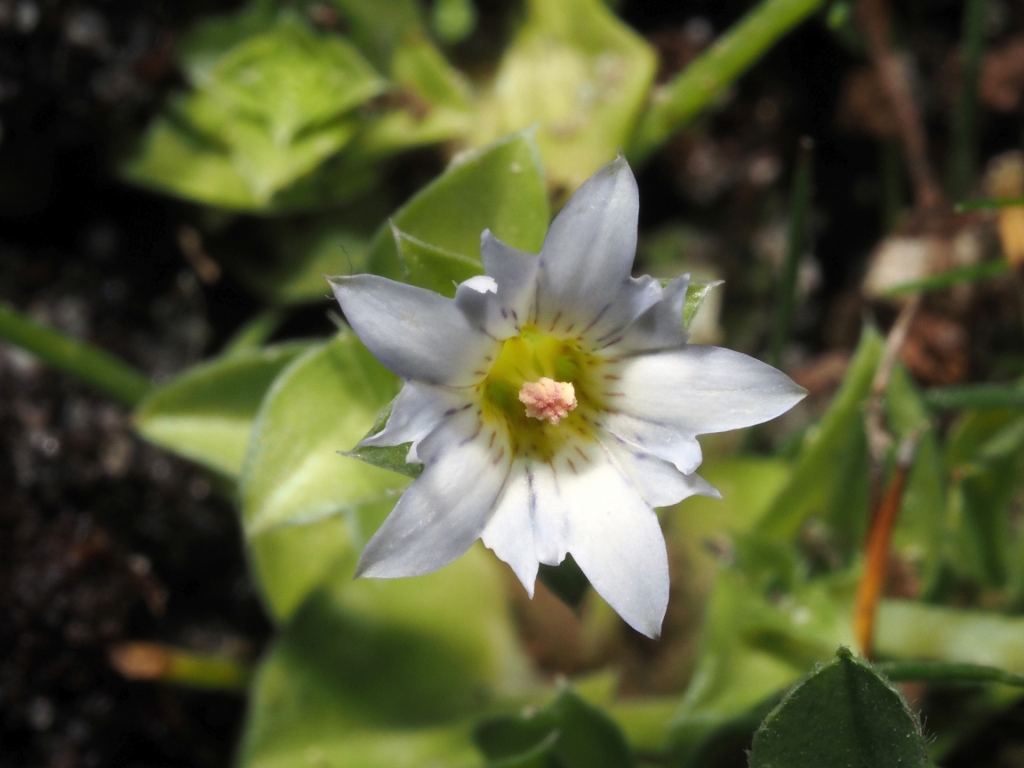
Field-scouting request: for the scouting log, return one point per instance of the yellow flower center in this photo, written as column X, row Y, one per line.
column 544, row 391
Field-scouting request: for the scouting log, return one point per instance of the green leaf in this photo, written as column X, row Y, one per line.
column 323, row 403
column 696, row 293
column 207, row 414
column 386, row 673
column 175, row 161
column 976, row 396
column 573, row 733
column 909, row 630
column 945, row 672
column 290, row 79
column 582, row 75
column 500, row 188
column 454, row 20
column 391, row 458
column 843, row 715
column 433, row 99
column 378, row 27
column 204, row 45
column 816, row 476
column 675, row 103
column 431, row 267
column 943, row 280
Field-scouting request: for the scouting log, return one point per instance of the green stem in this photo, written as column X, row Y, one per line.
column 800, row 200
column 674, row 103
column 962, row 157
column 89, row 363
column 892, row 185
column 163, row 663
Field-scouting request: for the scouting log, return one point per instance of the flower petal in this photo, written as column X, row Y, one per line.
column 589, row 249
column 445, row 509
column 415, row 333
column 658, row 482
column 660, row 326
column 616, row 540
column 667, row 442
column 701, row 389
column 417, row 410
column 509, row 533
column 500, row 313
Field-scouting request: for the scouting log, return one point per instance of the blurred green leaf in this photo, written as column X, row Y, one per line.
column 500, row 188
column 582, row 75
column 432, row 103
column 323, row 403
column 984, row 205
column 946, row 672
column 569, row 732
column 254, row 333
column 391, row 458
column 980, row 502
column 843, row 715
column 387, row 672
column 696, row 293
column 814, row 481
column 675, row 103
column 943, row 280
column 379, row 27
column 976, row 396
column 909, row 630
column 204, row 45
column 207, row 413
column 290, row 79
column 179, row 162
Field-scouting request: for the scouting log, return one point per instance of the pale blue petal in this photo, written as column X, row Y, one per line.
column 502, row 312
column 417, row 410
column 588, row 253
column 658, row 482
column 700, row 389
column 447, row 507
column 417, row 334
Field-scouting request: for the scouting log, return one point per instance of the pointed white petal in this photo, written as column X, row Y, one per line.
column 416, row 411
column 500, row 313
column 616, row 540
column 701, row 389
column 658, row 482
column 415, row 333
column 589, row 249
column 510, row 530
column 660, row 326
column 668, row 442
column 447, row 507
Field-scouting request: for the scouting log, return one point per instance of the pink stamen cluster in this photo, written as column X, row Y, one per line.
column 548, row 399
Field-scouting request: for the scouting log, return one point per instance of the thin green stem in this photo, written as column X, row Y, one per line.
column 675, row 103
column 88, row 363
column 962, row 156
column 893, row 199
column 800, row 203
column 976, row 396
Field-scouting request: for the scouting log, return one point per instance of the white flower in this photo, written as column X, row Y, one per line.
column 553, row 403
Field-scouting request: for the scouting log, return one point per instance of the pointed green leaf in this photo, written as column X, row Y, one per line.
column 431, row 267
column 205, row 44
column 378, row 27
column 500, row 188
column 843, row 715
column 207, row 414
column 323, row 403
column 391, row 458
column 579, row 73
column 696, row 293
column 815, row 476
